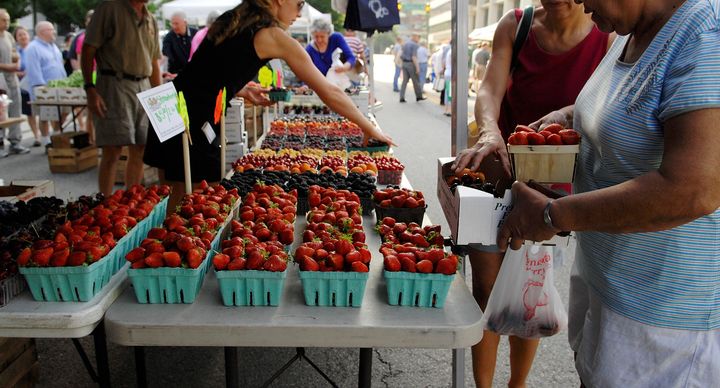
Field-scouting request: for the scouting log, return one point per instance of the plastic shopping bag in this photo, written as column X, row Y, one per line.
column 524, row 301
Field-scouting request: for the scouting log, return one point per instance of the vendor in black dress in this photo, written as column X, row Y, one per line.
column 238, row 44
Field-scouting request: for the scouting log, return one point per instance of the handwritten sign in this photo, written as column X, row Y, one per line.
column 161, row 105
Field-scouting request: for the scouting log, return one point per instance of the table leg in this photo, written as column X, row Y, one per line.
column 140, row 371
column 365, row 372
column 458, row 368
column 59, row 110
column 72, row 109
column 232, row 377
column 101, row 355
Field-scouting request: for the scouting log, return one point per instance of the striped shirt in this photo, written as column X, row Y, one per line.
column 670, row 278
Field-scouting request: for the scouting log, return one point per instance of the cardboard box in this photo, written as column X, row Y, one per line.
column 545, row 163
column 235, row 152
column 235, row 112
column 49, row 113
column 27, row 190
column 71, row 140
column 235, row 133
column 72, row 95
column 72, row 160
column 474, row 216
column 45, row 94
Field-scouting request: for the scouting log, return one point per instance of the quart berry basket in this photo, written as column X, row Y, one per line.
column 417, row 289
column 250, row 287
column 69, row 284
column 11, row 287
column 406, row 215
column 336, row 289
column 281, row 95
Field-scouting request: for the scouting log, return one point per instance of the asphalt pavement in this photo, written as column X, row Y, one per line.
column 423, row 135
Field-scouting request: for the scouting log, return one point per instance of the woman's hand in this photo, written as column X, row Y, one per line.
column 490, row 143
column 256, row 94
column 95, row 102
column 343, row 69
column 525, row 221
column 377, row 134
column 562, row 116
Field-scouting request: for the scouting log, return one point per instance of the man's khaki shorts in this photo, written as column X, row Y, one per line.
column 125, row 122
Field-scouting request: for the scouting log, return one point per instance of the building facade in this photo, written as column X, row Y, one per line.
column 481, row 13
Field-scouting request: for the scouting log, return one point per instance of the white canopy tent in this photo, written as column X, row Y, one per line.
column 483, row 33
column 197, row 11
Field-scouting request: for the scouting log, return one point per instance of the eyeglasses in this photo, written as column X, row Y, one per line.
column 300, row 4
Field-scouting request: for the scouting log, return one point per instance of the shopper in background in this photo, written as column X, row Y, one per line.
column 44, row 63
column 22, row 38
column 411, row 67
column 323, row 44
column 560, row 53
column 438, row 65
column 176, row 44
column 122, row 38
column 423, row 56
column 238, row 44
column 9, row 67
column 480, row 59
column 447, row 76
column 67, row 44
column 77, row 43
column 396, row 53
column 200, row 35
column 644, row 305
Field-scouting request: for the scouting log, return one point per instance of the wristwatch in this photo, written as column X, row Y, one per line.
column 88, row 85
column 546, row 216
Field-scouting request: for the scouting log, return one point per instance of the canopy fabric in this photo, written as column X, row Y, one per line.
column 197, row 11
column 483, row 33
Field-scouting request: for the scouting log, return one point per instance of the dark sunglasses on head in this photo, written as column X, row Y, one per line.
column 301, row 4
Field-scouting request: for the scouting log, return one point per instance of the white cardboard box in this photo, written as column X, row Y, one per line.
column 49, row 113
column 235, row 152
column 73, row 95
column 235, row 133
column 474, row 216
column 27, row 190
column 235, row 112
column 45, row 94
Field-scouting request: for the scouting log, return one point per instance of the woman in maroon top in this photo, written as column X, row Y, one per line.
column 560, row 53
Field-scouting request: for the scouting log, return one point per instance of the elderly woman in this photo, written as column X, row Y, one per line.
column 324, row 42
column 559, row 54
column 645, row 301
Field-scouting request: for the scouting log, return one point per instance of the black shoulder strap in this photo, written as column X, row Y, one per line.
column 521, row 34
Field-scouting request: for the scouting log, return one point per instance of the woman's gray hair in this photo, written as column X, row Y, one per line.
column 211, row 17
column 321, row 25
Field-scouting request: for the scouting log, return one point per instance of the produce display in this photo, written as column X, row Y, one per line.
column 328, row 133
column 87, row 239
column 187, row 234
column 393, row 197
column 553, row 134
column 472, row 179
column 74, row 80
column 412, row 248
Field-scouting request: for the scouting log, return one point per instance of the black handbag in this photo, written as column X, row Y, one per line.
column 372, row 15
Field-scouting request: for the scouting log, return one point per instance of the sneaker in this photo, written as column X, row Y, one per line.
column 3, row 154
column 36, row 143
column 17, row 149
column 421, row 99
column 402, row 100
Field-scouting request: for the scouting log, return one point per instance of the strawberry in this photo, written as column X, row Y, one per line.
column 389, row 221
column 359, row 267
column 518, row 138
column 255, row 260
column 545, row 134
column 446, row 266
column 309, row 264
column 77, row 258
column 185, row 244
column 236, row 264
column 553, row 128
column 343, row 247
column 358, row 236
column 535, row 138
column 524, row 128
column 392, row 263
column 233, row 252
column 24, row 257
column 337, row 261
column 119, row 231
column 435, row 255
column 554, row 139
column 353, row 256
column 275, row 264
column 155, row 247
column 424, row 266
column 41, row 257
column 172, row 259
column 154, row 260
column 136, row 254
column 138, row 264
column 96, row 253
column 221, row 261
column 157, row 233
column 60, row 258
column 195, row 257
column 569, row 136
column 365, row 255
column 287, row 236
column 407, row 264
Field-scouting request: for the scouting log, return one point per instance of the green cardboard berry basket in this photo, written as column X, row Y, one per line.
column 406, row 215
column 417, row 289
column 281, row 95
column 138, row 233
column 69, row 284
column 250, row 287
column 338, row 289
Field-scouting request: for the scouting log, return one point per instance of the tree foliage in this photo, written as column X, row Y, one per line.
column 16, row 8
column 324, row 6
column 66, row 13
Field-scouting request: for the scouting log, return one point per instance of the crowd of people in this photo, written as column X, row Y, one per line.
column 637, row 79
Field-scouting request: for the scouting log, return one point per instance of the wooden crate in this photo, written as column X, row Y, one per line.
column 18, row 362
column 544, row 163
column 72, row 160
column 70, row 140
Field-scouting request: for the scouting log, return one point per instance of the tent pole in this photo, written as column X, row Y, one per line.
column 370, row 63
column 459, row 84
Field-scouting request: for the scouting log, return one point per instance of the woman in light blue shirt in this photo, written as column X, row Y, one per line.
column 22, row 37
column 645, row 300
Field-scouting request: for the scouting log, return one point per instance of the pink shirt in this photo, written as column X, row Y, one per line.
column 197, row 39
